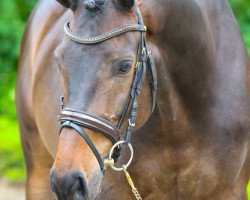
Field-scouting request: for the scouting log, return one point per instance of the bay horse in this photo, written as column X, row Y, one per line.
column 190, row 138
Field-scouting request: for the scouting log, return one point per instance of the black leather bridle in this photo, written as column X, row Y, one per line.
column 76, row 119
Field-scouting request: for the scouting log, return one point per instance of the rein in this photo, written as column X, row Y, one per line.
column 76, row 119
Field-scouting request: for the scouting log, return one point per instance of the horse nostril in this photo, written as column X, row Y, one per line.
column 69, row 186
column 79, row 188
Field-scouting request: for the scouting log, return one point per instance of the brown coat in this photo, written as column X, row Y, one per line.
column 195, row 146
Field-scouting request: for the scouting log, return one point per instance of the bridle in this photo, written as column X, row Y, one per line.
column 76, row 119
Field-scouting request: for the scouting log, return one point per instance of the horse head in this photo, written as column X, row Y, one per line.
column 103, row 61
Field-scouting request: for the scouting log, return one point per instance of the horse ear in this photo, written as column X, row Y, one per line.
column 127, row 3
column 68, row 3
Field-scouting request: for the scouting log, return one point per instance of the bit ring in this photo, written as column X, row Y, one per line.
column 131, row 155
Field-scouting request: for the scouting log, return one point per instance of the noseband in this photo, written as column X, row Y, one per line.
column 76, row 119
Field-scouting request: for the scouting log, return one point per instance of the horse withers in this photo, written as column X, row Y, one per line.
column 87, row 79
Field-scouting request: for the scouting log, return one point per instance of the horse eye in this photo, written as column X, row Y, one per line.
column 125, row 67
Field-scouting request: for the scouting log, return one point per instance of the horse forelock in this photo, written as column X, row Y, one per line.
column 93, row 4
column 97, row 5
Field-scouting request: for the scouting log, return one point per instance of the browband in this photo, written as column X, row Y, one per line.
column 104, row 36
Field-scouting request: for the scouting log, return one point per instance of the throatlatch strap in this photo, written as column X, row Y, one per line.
column 87, row 139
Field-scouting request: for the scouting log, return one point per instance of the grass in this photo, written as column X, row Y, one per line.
column 248, row 190
column 12, row 166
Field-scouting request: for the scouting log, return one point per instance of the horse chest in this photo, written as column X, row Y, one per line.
column 167, row 173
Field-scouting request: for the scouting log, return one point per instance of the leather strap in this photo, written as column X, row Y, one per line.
column 90, row 121
column 87, row 139
column 153, row 80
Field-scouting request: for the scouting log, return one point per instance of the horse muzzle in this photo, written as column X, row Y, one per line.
column 72, row 186
column 75, row 174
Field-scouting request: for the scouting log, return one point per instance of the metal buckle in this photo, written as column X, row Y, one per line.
column 130, row 123
column 137, row 64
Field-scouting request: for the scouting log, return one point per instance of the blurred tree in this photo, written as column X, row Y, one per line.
column 241, row 10
column 13, row 17
column 23, row 8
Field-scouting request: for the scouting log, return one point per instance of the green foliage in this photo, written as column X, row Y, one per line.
column 11, row 156
column 241, row 10
column 23, row 8
column 13, row 17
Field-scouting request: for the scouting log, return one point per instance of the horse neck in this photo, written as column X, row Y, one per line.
column 193, row 56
